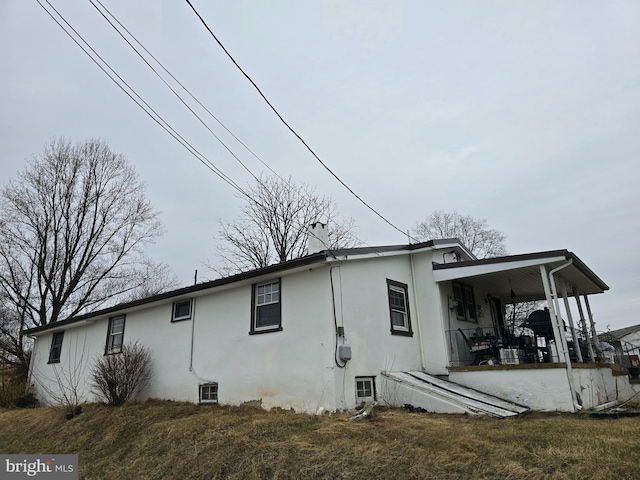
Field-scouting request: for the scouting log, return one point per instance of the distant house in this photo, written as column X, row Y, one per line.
column 629, row 335
column 421, row 324
column 626, row 347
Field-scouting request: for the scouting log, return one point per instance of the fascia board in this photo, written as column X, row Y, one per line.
column 474, row 270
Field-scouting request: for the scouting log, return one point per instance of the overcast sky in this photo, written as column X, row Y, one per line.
column 523, row 113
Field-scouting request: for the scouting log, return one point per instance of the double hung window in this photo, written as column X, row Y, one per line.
column 115, row 335
column 266, row 307
column 56, row 347
column 399, row 308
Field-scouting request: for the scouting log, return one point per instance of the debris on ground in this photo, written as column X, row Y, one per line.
column 365, row 412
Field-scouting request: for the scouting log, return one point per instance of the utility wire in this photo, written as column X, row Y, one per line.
column 137, row 99
column 166, row 83
column 180, row 84
column 296, row 190
column 286, row 124
column 133, row 95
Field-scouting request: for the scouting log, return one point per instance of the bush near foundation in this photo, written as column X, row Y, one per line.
column 120, row 377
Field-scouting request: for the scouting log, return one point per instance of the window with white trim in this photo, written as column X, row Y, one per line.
column 266, row 311
column 115, row 335
column 208, row 393
column 399, row 308
column 365, row 389
column 465, row 302
column 56, row 347
column 181, row 310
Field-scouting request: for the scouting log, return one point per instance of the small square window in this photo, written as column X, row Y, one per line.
column 266, row 308
column 209, row 393
column 181, row 311
column 115, row 335
column 365, row 389
column 399, row 308
column 56, row 347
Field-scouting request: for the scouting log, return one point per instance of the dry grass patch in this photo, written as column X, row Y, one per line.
column 183, row 441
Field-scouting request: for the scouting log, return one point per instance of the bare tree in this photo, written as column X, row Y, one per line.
column 119, row 378
column 474, row 233
column 484, row 242
column 72, row 230
column 273, row 226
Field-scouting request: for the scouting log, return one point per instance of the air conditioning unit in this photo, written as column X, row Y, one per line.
column 510, row 356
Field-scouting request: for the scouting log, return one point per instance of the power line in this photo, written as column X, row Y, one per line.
column 166, row 83
column 133, row 95
column 295, row 188
column 286, row 124
column 139, row 100
column 150, row 111
column 178, row 82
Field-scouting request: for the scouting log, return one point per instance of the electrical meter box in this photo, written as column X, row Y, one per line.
column 344, row 352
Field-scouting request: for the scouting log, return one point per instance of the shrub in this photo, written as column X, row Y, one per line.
column 12, row 386
column 121, row 377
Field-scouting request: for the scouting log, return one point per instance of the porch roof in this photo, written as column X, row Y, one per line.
column 516, row 278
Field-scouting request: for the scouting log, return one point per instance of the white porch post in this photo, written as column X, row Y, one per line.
column 576, row 345
column 583, row 322
column 594, row 334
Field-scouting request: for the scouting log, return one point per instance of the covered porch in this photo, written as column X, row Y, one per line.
column 545, row 357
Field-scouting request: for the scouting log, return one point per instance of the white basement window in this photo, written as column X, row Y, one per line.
column 365, row 389
column 209, row 393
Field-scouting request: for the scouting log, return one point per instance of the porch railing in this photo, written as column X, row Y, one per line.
column 484, row 345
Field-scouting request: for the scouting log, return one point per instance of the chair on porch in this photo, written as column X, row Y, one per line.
column 478, row 347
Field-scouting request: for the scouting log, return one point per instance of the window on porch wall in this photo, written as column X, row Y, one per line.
column 465, row 302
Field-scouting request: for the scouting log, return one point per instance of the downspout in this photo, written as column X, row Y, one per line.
column 559, row 331
column 193, row 324
column 418, row 317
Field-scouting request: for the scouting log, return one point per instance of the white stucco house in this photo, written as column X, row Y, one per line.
column 421, row 324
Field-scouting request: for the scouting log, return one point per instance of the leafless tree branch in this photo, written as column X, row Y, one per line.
column 274, row 227
column 73, row 228
column 475, row 234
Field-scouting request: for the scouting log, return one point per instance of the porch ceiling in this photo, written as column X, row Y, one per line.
column 521, row 274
